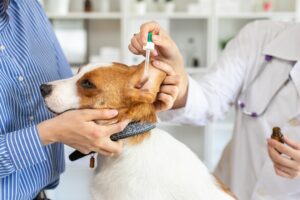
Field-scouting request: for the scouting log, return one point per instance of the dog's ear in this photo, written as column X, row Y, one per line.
column 144, row 90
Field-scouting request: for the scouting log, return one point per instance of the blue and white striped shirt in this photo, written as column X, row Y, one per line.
column 29, row 56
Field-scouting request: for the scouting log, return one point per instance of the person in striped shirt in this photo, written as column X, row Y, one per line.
column 31, row 140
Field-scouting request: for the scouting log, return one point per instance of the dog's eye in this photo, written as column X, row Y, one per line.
column 86, row 84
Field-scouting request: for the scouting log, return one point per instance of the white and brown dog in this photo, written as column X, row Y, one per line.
column 154, row 165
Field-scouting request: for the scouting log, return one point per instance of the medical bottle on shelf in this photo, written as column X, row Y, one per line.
column 192, row 59
column 88, row 7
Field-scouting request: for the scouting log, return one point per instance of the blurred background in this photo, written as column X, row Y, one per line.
column 100, row 30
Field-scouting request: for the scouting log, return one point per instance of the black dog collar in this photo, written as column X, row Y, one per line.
column 132, row 129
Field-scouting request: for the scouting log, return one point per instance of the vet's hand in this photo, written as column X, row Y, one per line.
column 169, row 89
column 166, row 51
column 78, row 130
column 286, row 164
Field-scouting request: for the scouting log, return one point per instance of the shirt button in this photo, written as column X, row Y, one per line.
column 2, row 48
column 31, row 118
column 21, row 78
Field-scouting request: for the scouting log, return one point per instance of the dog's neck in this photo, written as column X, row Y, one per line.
column 142, row 112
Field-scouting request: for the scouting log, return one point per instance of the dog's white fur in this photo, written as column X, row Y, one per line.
column 159, row 168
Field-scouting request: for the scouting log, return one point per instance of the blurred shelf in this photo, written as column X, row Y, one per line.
column 175, row 15
column 198, row 70
column 257, row 15
column 164, row 123
column 82, row 15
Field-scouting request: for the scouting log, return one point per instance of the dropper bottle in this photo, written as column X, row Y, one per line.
column 148, row 48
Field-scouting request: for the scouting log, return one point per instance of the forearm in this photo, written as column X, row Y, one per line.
column 191, row 108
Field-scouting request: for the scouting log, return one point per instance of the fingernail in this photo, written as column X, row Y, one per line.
column 155, row 38
column 156, row 63
column 155, row 53
column 113, row 112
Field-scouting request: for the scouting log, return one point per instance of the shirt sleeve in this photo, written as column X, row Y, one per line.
column 20, row 149
column 211, row 96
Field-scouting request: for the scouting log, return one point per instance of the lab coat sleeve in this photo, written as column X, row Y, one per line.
column 210, row 97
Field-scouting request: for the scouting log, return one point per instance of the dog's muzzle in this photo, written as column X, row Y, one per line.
column 45, row 90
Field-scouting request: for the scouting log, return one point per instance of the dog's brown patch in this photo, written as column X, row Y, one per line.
column 118, row 87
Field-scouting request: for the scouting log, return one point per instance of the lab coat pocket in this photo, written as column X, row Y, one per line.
column 272, row 186
column 258, row 95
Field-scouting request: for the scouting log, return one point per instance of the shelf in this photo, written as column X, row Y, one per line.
column 257, row 15
column 176, row 15
column 81, row 15
column 199, row 70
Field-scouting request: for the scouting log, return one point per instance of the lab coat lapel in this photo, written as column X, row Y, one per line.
column 259, row 94
column 286, row 45
column 295, row 76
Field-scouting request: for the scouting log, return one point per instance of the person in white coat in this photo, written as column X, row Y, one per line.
column 259, row 74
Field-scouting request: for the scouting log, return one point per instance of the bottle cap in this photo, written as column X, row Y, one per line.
column 150, row 37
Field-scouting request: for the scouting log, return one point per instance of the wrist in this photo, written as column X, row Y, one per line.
column 48, row 132
column 183, row 94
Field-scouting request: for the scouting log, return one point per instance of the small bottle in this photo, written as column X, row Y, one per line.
column 192, row 58
column 277, row 135
column 88, row 7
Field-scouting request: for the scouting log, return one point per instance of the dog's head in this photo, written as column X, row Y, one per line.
column 112, row 86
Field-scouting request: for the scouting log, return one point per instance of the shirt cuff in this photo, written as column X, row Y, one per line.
column 25, row 147
column 194, row 110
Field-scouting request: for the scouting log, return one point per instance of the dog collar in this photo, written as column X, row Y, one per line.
column 132, row 129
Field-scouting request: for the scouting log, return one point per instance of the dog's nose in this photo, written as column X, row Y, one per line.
column 45, row 89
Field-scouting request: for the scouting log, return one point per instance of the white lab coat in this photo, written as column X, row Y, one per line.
column 245, row 165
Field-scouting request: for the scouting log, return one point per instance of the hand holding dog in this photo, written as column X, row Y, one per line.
column 286, row 164
column 78, row 130
column 166, row 52
column 169, row 89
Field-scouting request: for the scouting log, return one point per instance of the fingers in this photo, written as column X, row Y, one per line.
column 136, row 43
column 280, row 159
column 285, row 171
column 172, row 80
column 148, row 27
column 113, row 128
column 169, row 90
column 283, row 148
column 163, row 102
column 111, row 148
column 133, row 49
column 164, row 67
column 291, row 143
column 161, row 41
column 97, row 114
column 136, row 46
column 281, row 173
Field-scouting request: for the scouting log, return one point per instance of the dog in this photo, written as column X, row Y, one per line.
column 153, row 165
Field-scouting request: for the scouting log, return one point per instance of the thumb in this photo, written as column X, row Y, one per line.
column 149, row 27
column 99, row 114
column 161, row 41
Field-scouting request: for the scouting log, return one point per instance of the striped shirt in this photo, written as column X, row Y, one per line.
column 29, row 56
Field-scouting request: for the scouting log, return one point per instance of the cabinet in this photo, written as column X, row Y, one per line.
column 209, row 29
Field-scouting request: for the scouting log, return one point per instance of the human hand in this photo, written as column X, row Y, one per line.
column 166, row 51
column 168, row 90
column 286, row 164
column 78, row 129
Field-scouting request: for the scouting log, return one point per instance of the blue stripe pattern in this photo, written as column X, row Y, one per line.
column 29, row 56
